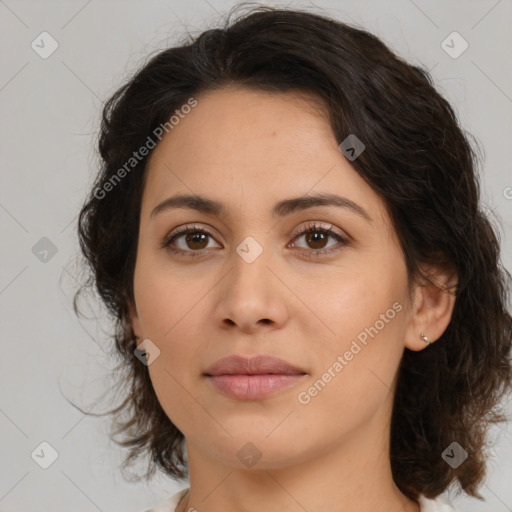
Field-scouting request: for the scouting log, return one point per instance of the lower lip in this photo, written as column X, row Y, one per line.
column 253, row 387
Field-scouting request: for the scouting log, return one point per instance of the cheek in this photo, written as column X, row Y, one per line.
column 364, row 312
column 176, row 371
column 341, row 408
column 359, row 298
column 164, row 296
column 169, row 306
column 354, row 377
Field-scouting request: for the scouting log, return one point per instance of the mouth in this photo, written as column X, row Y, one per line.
column 253, row 378
column 253, row 365
column 253, row 387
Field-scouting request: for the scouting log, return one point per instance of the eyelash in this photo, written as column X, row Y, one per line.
column 311, row 228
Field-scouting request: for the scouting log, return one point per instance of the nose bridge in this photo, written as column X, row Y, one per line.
column 250, row 260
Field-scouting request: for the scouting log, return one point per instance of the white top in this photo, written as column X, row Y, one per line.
column 425, row 504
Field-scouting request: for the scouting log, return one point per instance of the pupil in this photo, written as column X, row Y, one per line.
column 194, row 238
column 318, row 237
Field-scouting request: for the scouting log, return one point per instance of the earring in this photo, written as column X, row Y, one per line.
column 425, row 339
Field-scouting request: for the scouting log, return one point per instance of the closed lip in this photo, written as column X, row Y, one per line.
column 253, row 365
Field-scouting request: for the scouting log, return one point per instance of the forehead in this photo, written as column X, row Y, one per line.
column 253, row 147
column 235, row 124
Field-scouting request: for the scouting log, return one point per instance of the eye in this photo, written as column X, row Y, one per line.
column 195, row 240
column 194, row 237
column 317, row 235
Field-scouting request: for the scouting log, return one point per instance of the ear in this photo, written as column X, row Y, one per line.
column 432, row 307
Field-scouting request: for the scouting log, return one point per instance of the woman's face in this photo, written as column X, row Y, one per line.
column 258, row 285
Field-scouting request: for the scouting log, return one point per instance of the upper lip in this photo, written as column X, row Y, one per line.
column 254, row 365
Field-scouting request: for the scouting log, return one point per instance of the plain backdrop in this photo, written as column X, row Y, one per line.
column 49, row 110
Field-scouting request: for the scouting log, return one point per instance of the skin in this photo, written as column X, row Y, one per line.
column 249, row 149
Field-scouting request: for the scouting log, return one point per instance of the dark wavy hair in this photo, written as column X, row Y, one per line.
column 417, row 158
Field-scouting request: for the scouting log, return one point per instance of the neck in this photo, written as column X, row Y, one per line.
column 353, row 475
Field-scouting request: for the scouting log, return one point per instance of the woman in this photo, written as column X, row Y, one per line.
column 309, row 299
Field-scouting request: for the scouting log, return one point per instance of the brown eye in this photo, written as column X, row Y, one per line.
column 196, row 240
column 316, row 237
column 193, row 240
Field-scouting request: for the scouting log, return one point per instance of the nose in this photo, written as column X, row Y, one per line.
column 251, row 296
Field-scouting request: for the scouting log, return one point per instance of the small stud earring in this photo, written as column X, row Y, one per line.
column 425, row 339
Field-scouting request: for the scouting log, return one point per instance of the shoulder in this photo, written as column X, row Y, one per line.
column 428, row 505
column 170, row 504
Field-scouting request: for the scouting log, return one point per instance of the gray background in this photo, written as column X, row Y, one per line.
column 50, row 111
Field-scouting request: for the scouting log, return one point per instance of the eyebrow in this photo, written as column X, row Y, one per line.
column 280, row 209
